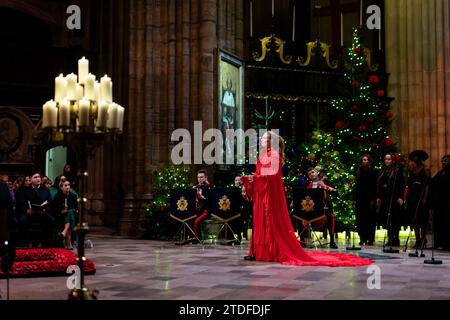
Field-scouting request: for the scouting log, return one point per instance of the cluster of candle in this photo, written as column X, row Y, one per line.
column 83, row 98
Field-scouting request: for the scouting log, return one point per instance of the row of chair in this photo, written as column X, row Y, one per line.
column 225, row 205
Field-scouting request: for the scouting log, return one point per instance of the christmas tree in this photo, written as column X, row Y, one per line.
column 363, row 117
column 362, row 122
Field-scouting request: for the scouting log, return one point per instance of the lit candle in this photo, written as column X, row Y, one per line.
column 112, row 116
column 83, row 69
column 360, row 12
column 71, row 86
column 120, row 115
column 106, row 89
column 64, row 113
column 342, row 29
column 50, row 112
column 96, row 91
column 60, row 88
column 83, row 113
column 293, row 25
column 89, row 87
column 102, row 115
column 251, row 18
column 80, row 92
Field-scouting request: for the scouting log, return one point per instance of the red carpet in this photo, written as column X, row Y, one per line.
column 45, row 262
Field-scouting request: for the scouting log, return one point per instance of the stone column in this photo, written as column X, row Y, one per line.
column 417, row 56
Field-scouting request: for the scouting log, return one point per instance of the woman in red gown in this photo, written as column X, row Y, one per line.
column 273, row 235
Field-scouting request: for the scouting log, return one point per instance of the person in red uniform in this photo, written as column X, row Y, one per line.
column 273, row 237
column 317, row 183
column 203, row 189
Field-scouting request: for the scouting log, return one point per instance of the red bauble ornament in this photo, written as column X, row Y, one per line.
column 389, row 115
column 396, row 157
column 362, row 128
column 340, row 125
column 380, row 93
column 355, row 107
column 357, row 50
column 374, row 146
column 374, row 80
column 388, row 142
column 355, row 84
column 356, row 138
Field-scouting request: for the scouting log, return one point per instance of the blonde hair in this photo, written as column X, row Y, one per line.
column 281, row 144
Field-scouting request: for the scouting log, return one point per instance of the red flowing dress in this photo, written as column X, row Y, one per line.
column 273, row 234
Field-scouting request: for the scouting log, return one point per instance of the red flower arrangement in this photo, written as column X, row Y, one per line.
column 39, row 262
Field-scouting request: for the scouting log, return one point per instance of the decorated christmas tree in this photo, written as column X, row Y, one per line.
column 362, row 115
column 362, row 120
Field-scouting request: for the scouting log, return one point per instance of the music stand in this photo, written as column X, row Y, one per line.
column 225, row 208
column 182, row 209
column 309, row 208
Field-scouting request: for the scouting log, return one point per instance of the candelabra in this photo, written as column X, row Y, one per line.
column 82, row 116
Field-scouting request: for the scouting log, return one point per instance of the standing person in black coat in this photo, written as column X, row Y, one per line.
column 390, row 191
column 417, row 187
column 365, row 200
column 440, row 203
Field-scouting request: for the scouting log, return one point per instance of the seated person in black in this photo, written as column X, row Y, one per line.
column 32, row 207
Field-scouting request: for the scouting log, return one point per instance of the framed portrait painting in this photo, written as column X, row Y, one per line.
column 230, row 94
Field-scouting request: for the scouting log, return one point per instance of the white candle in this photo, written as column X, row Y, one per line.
column 83, row 69
column 60, row 88
column 64, row 113
column 71, row 86
column 106, row 89
column 96, row 91
column 89, row 87
column 102, row 115
column 112, row 116
column 120, row 115
column 50, row 112
column 80, row 92
column 83, row 113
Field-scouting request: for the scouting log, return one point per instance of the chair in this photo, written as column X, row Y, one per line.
column 310, row 210
column 182, row 209
column 225, row 207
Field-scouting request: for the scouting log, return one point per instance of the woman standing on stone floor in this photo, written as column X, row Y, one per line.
column 273, row 236
column 365, row 200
